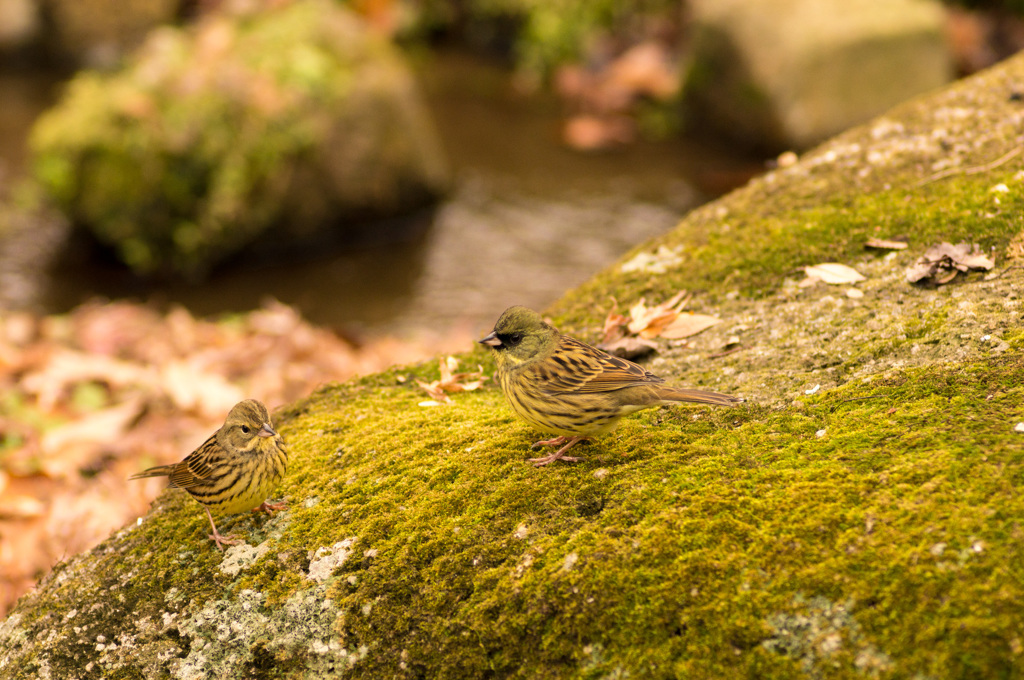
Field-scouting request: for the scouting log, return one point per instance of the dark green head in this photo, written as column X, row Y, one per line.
column 247, row 428
column 520, row 335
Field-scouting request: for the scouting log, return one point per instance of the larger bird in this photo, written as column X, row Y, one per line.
column 235, row 469
column 568, row 388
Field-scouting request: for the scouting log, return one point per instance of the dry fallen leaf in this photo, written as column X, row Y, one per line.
column 941, row 263
column 632, row 336
column 614, row 325
column 649, row 322
column 688, row 324
column 451, row 382
column 885, row 244
column 831, row 273
column 615, row 339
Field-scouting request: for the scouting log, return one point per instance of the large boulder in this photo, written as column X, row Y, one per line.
column 291, row 123
column 779, row 74
column 859, row 516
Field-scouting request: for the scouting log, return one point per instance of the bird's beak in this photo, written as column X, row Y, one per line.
column 266, row 431
column 491, row 341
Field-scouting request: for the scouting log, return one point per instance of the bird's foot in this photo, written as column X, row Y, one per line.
column 557, row 441
column 270, row 508
column 216, row 536
column 541, row 462
column 560, row 453
column 222, row 541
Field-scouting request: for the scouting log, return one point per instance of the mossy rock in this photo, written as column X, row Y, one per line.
column 291, row 123
column 859, row 516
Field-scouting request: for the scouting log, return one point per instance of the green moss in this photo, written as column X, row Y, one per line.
column 696, row 542
column 751, row 253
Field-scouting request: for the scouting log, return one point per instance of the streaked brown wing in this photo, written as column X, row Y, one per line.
column 197, row 465
column 577, row 367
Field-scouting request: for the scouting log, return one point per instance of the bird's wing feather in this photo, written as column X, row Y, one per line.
column 197, row 465
column 575, row 366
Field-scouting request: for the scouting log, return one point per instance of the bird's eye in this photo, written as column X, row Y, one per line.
column 510, row 339
column 245, row 429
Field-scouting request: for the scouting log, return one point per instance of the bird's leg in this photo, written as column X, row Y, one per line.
column 270, row 508
column 557, row 441
column 560, row 453
column 221, row 541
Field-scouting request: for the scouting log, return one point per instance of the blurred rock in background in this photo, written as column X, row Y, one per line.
column 290, row 124
column 780, row 74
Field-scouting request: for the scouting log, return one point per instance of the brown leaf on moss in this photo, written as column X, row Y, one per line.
column 614, row 326
column 688, row 324
column 885, row 244
column 615, row 338
column 649, row 322
column 614, row 333
column 632, row 336
column 450, row 381
column 832, row 273
column 941, row 263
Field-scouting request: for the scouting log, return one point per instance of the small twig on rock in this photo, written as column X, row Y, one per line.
column 972, row 170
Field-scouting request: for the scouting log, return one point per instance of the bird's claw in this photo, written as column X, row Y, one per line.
column 221, row 541
column 541, row 462
column 557, row 455
column 270, row 508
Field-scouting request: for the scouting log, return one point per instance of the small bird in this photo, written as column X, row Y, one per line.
column 566, row 387
column 233, row 470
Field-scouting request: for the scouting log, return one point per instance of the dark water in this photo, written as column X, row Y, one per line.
column 527, row 219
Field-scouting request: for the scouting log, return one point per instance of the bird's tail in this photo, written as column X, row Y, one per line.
column 698, row 396
column 158, row 471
